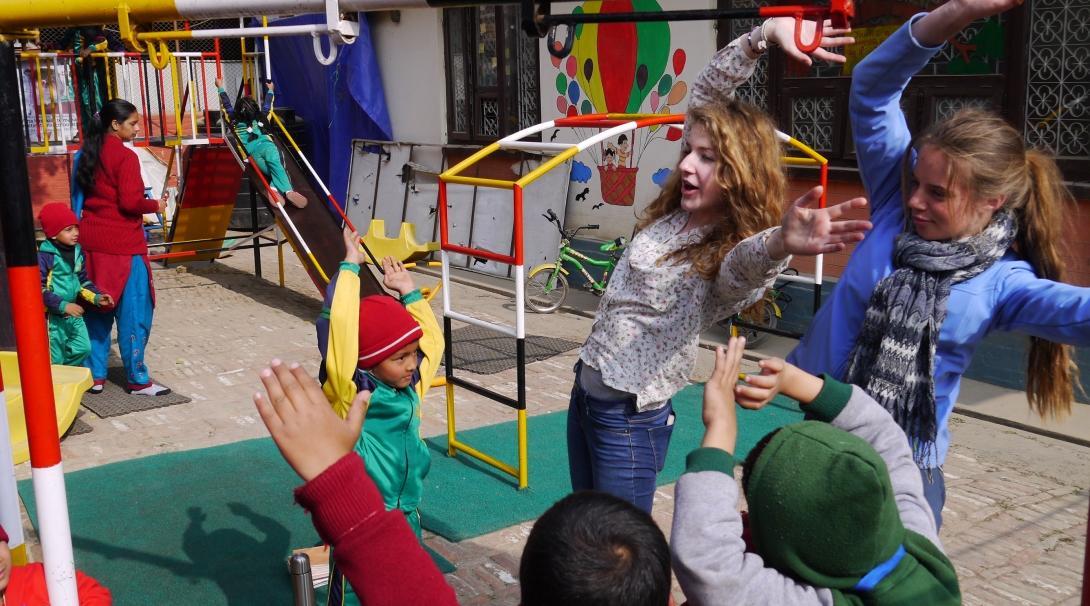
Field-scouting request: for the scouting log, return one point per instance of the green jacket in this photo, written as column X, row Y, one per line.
column 62, row 281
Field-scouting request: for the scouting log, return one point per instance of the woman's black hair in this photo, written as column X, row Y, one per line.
column 114, row 110
column 247, row 110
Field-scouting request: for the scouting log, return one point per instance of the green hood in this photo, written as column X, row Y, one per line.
column 822, row 510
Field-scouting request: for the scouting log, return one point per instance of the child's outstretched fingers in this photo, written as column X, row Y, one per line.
column 358, row 411
column 352, row 252
column 759, row 390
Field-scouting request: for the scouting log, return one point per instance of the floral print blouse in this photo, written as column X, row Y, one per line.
column 646, row 332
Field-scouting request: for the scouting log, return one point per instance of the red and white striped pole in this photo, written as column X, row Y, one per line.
column 31, row 341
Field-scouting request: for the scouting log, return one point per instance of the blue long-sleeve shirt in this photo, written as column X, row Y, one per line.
column 1008, row 296
column 247, row 131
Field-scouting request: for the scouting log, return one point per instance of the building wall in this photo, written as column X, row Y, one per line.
column 410, row 55
column 676, row 53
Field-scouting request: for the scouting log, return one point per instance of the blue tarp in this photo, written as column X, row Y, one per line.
column 339, row 102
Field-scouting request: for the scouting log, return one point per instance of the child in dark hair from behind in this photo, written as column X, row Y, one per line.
column 589, row 548
column 64, row 282
column 249, row 125
column 837, row 513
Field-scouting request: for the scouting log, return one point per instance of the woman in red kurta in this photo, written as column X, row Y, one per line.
column 113, row 240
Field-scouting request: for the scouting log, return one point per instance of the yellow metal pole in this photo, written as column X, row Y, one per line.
column 479, row 181
column 41, row 100
column 177, row 98
column 450, row 420
column 524, row 470
column 459, row 167
column 548, row 165
column 280, row 258
column 480, row 456
column 109, row 81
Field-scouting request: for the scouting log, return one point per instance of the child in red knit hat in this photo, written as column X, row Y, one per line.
column 25, row 585
column 392, row 348
column 64, row 281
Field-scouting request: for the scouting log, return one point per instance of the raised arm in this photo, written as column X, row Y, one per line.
column 1043, row 308
column 733, row 64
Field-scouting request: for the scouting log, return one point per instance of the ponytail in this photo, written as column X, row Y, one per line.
column 114, row 110
column 1051, row 373
column 990, row 157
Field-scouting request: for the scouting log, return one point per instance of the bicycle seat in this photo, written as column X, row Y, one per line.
column 613, row 245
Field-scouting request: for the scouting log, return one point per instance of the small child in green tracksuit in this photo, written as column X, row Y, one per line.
column 64, row 280
column 391, row 347
column 250, row 129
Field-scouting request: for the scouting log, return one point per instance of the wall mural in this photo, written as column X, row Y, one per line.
column 620, row 68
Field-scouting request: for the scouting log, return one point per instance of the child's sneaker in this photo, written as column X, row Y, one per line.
column 151, row 389
column 296, row 198
column 99, row 385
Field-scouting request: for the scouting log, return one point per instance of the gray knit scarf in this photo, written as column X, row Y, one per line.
column 894, row 355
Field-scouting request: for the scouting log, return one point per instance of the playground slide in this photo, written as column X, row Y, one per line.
column 318, row 225
column 69, row 383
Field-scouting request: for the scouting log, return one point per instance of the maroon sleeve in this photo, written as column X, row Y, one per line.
column 130, row 186
column 375, row 548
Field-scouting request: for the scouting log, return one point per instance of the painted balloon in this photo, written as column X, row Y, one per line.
column 555, row 60
column 570, row 66
column 572, row 112
column 585, row 107
column 673, row 133
column 653, row 53
column 679, row 61
column 573, row 91
column 665, row 84
column 561, row 104
column 677, row 93
column 561, row 84
column 654, row 100
column 617, row 47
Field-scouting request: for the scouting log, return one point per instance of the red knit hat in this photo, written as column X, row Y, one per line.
column 385, row 327
column 55, row 217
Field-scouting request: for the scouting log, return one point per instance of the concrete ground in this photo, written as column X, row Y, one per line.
column 1015, row 519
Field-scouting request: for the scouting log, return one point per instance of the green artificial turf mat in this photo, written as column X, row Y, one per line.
column 209, row 526
column 464, row 498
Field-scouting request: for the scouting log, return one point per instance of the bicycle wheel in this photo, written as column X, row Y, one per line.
column 753, row 336
column 541, row 296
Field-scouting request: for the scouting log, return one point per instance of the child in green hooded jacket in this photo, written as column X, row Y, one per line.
column 64, row 282
column 837, row 513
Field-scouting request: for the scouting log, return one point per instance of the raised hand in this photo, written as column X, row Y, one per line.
column 758, row 390
column 720, row 417
column 781, row 31
column 105, row 300
column 396, row 277
column 219, row 82
column 947, row 20
column 352, row 252
column 812, row 231
column 310, row 436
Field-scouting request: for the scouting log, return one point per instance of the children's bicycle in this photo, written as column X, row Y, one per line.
column 547, row 284
column 766, row 313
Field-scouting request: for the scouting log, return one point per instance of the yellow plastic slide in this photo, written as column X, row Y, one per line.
column 69, row 383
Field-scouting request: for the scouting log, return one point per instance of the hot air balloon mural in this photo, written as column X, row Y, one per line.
column 621, row 68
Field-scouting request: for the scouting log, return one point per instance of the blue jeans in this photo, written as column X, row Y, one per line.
column 934, row 490
column 615, row 449
column 133, row 315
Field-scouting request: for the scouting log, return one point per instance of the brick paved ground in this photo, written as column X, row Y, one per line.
column 1015, row 518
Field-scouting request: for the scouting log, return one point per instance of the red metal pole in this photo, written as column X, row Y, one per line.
column 31, row 341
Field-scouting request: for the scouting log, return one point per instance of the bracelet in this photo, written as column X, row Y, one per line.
column 764, row 34
column 761, row 47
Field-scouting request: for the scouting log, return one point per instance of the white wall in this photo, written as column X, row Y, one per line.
column 697, row 40
column 410, row 55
